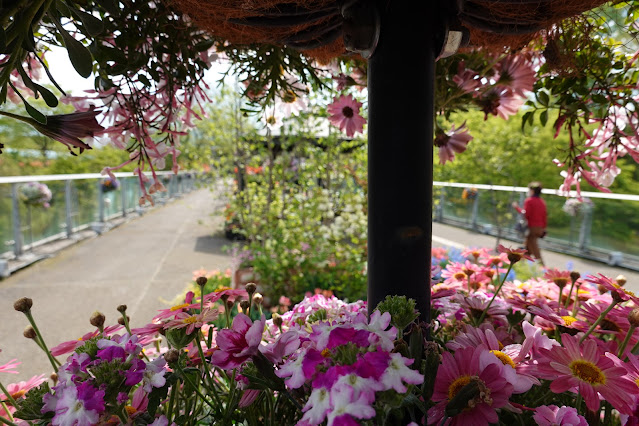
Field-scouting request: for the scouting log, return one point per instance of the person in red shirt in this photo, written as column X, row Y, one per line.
column 535, row 212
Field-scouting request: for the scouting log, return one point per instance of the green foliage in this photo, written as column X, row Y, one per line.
column 30, row 407
column 401, row 309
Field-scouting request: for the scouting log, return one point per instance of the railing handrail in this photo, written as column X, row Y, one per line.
column 77, row 176
column 605, row 195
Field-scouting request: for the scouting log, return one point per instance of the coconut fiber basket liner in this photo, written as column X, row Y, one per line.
column 315, row 26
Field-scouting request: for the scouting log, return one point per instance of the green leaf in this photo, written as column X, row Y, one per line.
column 543, row 98
column 3, row 40
column 79, row 55
column 144, row 80
column 543, row 118
column 93, row 25
column 34, row 113
column 524, row 119
column 47, row 95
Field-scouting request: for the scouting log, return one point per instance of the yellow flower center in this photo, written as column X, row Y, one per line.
column 568, row 319
column 457, row 385
column 218, row 290
column 289, row 96
column 637, row 382
column 459, row 276
column 504, row 358
column 326, row 353
column 130, row 410
column 18, row 394
column 178, row 307
column 190, row 320
column 588, row 372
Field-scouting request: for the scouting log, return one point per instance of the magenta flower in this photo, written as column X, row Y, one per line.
column 551, row 415
column 451, row 142
column 454, row 373
column 587, row 370
column 615, row 289
column 285, row 345
column 238, row 344
column 344, row 113
column 79, row 406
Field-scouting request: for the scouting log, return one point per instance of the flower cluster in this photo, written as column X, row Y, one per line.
column 36, row 194
column 557, row 349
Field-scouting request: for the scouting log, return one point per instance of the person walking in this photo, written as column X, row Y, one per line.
column 536, row 215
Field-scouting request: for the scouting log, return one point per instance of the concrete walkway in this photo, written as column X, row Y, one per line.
column 144, row 264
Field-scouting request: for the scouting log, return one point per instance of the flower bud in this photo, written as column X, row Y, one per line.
column 121, row 309
column 277, row 320
column 230, row 304
column 245, row 305
column 172, row 355
column 633, row 317
column 121, row 320
column 601, row 289
column 574, row 275
column 29, row 332
column 258, row 299
column 514, row 257
column 224, row 298
column 621, row 280
column 23, row 304
column 201, row 281
column 97, row 319
column 250, row 288
column 54, row 378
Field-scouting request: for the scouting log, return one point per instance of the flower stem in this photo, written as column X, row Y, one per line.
column 501, row 284
column 622, row 348
column 125, row 320
column 6, row 410
column 8, row 396
column 54, row 362
column 596, row 323
column 570, row 293
column 7, row 422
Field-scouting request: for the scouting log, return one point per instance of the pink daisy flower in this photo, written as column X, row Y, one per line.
column 460, row 370
column 451, row 142
column 344, row 113
column 514, row 255
column 615, row 289
column 467, row 79
column 551, row 415
column 192, row 321
column 10, row 366
column 71, row 345
column 499, row 101
column 517, row 74
column 585, row 369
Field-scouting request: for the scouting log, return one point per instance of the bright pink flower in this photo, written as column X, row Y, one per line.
column 238, row 344
column 551, row 415
column 460, row 370
column 615, row 289
column 451, row 142
column 585, row 369
column 344, row 113
column 514, row 255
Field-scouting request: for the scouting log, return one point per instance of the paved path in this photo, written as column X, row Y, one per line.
column 144, row 264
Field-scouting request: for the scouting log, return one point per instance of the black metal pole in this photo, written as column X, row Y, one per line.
column 400, row 156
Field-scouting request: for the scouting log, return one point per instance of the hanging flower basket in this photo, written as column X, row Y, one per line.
column 35, row 194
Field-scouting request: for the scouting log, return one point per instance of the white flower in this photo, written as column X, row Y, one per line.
column 398, row 372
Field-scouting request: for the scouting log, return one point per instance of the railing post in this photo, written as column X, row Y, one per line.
column 439, row 213
column 17, row 226
column 68, row 208
column 586, row 226
column 100, row 203
column 123, row 196
column 473, row 218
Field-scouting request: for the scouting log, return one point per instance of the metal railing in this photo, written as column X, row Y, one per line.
column 602, row 226
column 78, row 202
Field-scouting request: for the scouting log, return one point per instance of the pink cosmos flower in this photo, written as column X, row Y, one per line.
column 460, row 370
column 344, row 113
column 238, row 344
column 451, row 142
column 585, row 369
column 551, row 415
